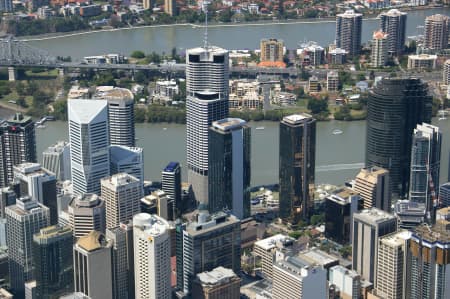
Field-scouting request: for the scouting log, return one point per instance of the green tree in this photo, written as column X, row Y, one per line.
column 138, row 54
column 60, row 110
column 317, row 106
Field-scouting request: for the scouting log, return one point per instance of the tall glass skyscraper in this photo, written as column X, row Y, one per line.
column 297, row 165
column 17, row 145
column 394, row 108
column 171, row 184
column 89, row 144
column 425, row 163
column 202, row 109
column 229, row 167
column 207, row 76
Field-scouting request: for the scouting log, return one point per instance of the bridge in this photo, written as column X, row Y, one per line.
column 15, row 53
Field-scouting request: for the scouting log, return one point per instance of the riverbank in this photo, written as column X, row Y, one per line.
column 368, row 17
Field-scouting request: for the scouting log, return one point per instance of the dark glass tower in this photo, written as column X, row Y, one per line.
column 18, row 145
column 229, row 167
column 171, row 184
column 393, row 22
column 297, row 165
column 394, row 108
column 52, row 260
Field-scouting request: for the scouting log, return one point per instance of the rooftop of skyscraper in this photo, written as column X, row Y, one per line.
column 57, row 147
column 393, row 13
column 374, row 215
column 379, row 34
column 206, row 222
column 119, row 179
column 275, row 241
column 370, row 174
column 113, row 93
column 349, row 14
column 217, row 276
column 296, row 119
column 86, row 109
column 52, row 232
column 19, row 118
column 86, row 200
column 210, row 49
column 171, row 166
column 228, row 124
column 92, row 241
column 150, row 224
column 318, row 257
column 436, row 17
column 396, row 239
column 432, row 235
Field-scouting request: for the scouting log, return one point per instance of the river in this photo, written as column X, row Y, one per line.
column 339, row 157
column 230, row 36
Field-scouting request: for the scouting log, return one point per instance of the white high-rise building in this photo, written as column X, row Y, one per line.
column 202, row 109
column 152, row 270
column 120, row 114
column 348, row 32
column 121, row 193
column 347, row 281
column 56, row 158
column 89, row 144
column 446, row 72
column 379, row 54
column 207, row 69
column 127, row 159
column 393, row 22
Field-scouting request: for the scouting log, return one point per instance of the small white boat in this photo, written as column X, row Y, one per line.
column 259, row 128
column 40, row 126
column 337, row 132
column 164, row 129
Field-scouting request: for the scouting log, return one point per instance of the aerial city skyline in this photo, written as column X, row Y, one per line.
column 87, row 221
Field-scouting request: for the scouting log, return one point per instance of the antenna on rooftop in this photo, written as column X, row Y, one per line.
column 205, row 9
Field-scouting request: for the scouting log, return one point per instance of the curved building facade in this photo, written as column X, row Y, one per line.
column 394, row 108
column 207, row 69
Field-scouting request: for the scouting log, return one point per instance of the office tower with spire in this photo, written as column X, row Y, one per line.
column 379, row 54
column 52, row 260
column 23, row 219
column 209, row 242
column 56, row 158
column 368, row 226
column 171, row 184
column 436, row 32
column 89, row 144
column 123, row 260
column 348, row 32
column 392, row 265
column 127, row 159
column 121, row 194
column 297, row 165
column 40, row 184
column 86, row 213
column 202, row 109
column 229, row 167
column 92, row 266
column 393, row 22
column 425, row 163
column 17, row 145
column 394, row 108
column 151, row 257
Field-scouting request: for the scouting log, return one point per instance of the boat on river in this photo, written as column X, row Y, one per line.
column 337, row 132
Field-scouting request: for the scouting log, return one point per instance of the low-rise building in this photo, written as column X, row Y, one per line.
column 332, row 81
column 422, row 61
column 347, row 282
column 266, row 249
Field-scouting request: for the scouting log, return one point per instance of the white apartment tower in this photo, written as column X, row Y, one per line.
column 151, row 257
column 56, row 158
column 92, row 266
column 203, row 108
column 379, row 54
column 393, row 22
column 23, row 219
column 348, row 32
column 86, row 213
column 436, row 32
column 446, row 72
column 121, row 194
column 89, row 144
column 391, row 263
